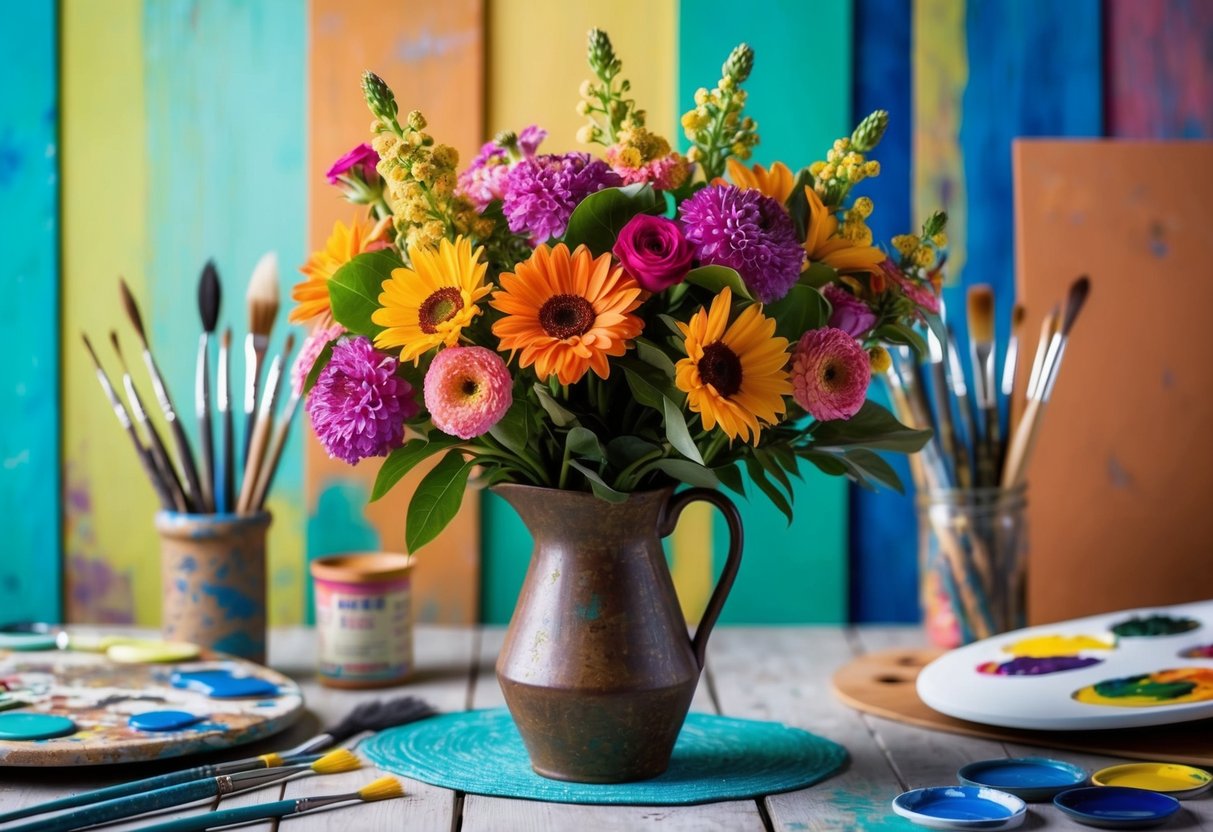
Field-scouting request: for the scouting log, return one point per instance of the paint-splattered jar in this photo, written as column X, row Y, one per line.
column 364, row 619
column 213, row 574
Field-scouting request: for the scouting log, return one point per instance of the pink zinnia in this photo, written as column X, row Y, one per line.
column 361, row 160
column 830, row 374
column 313, row 345
column 467, row 391
column 359, row 405
column 850, row 314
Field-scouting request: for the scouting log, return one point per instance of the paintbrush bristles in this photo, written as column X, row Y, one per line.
column 1075, row 300
column 118, row 350
column 336, row 762
column 1017, row 317
column 981, row 313
column 382, row 789
column 132, row 310
column 89, row 346
column 209, row 296
column 263, row 295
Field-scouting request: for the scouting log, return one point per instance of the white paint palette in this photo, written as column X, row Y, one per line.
column 1147, row 666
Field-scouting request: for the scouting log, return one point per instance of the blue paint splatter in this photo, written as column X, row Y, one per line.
column 241, row 644
column 591, row 611
column 181, row 585
column 222, row 572
column 233, row 602
column 188, row 564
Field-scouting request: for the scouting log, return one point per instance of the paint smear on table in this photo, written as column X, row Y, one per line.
column 1163, row 687
column 1047, row 646
column 1154, row 625
column 1036, row 665
column 1201, row 651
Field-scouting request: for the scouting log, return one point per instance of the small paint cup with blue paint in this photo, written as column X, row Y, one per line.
column 213, row 574
column 364, row 619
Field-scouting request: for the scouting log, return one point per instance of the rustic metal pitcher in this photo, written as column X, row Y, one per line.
column 597, row 668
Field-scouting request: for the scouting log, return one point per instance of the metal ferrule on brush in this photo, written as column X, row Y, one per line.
column 245, row 780
column 306, row 804
column 251, row 363
column 983, row 371
column 201, row 394
column 119, row 410
column 158, row 386
column 137, row 410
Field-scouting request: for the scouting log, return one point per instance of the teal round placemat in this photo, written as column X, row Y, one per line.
column 715, row 758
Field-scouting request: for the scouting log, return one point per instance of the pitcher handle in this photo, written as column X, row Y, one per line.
column 673, row 509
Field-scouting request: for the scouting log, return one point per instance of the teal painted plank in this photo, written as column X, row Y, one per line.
column 506, row 546
column 800, row 95
column 226, row 86
column 29, row 317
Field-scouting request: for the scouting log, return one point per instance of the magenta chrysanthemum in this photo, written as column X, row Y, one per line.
column 830, row 374
column 746, row 231
column 467, row 391
column 850, row 314
column 542, row 192
column 313, row 345
column 485, row 179
column 359, row 405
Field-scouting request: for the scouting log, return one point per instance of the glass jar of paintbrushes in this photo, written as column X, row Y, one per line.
column 212, row 520
column 971, row 477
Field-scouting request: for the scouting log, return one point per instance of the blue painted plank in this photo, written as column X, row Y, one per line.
column 29, row 316
column 884, row 551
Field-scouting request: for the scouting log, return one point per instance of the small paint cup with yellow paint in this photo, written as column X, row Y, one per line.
column 364, row 619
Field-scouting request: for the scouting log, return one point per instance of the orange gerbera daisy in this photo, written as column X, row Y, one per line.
column 567, row 312
column 776, row 183
column 824, row 246
column 343, row 245
column 734, row 375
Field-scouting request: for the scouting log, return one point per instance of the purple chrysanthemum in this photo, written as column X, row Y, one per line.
column 542, row 192
column 359, row 404
column 484, row 180
column 746, row 231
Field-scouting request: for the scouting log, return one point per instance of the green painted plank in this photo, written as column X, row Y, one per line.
column 226, row 138
column 800, row 95
column 29, row 316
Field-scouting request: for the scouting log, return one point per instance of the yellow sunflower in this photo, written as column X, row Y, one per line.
column 734, row 375
column 776, row 183
column 343, row 245
column 824, row 246
column 567, row 312
column 429, row 304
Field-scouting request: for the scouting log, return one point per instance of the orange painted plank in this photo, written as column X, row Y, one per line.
column 433, row 56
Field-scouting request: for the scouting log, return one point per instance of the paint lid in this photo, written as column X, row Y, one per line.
column 961, row 807
column 362, row 567
column 1029, row 778
column 1115, row 807
column 28, row 641
column 1179, row 781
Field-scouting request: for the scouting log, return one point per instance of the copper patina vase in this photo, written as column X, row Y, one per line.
column 598, row 668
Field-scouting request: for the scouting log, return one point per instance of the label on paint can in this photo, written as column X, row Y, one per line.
column 365, row 631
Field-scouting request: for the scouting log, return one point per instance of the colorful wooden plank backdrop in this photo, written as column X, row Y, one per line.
column 192, row 129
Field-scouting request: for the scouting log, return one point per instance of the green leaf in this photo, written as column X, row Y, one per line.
column 801, row 309
column 598, row 486
column 827, row 463
column 622, row 451
column 715, row 278
column 560, row 416
column 404, row 459
column 767, row 487
column 654, row 356
column 584, row 443
column 598, row 219
column 676, row 431
column 901, row 334
column 772, row 467
column 355, row 288
column 872, row 427
column 515, row 430
column 798, row 203
column 818, row 275
column 437, row 500
column 872, row 467
column 730, row 476
column 321, row 362
column 688, row 472
column 644, row 386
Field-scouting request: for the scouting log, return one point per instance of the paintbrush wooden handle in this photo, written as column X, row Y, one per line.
column 252, row 465
column 206, row 448
column 948, row 443
column 266, row 476
column 125, row 807
column 227, row 817
column 1022, row 444
column 193, row 489
column 111, row 792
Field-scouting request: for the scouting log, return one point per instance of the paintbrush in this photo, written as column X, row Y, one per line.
column 145, row 457
column 269, row 470
column 208, row 309
column 193, row 489
column 944, row 428
column 225, row 482
column 262, row 301
column 1010, row 368
column 261, row 433
column 335, row 762
column 981, row 348
column 1024, row 439
column 382, row 789
column 967, row 432
column 159, row 454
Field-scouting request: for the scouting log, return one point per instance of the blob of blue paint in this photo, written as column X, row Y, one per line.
column 957, row 807
column 164, row 720
column 1028, row 778
column 222, row 684
column 34, row 726
column 1117, row 807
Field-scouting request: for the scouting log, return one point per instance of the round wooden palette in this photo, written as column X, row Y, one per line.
column 101, row 696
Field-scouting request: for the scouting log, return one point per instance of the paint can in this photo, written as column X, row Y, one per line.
column 364, row 619
column 213, row 574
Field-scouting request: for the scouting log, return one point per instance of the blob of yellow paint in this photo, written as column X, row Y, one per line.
column 1044, row 647
column 1163, row 687
column 1157, row 777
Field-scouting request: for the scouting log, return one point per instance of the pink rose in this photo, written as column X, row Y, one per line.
column 830, row 374
column 654, row 251
column 850, row 314
column 362, row 160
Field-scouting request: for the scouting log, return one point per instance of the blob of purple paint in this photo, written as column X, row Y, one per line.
column 1036, row 666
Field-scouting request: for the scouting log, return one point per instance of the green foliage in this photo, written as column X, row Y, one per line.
column 405, row 458
column 318, row 365
column 715, row 278
column 354, row 291
column 801, row 309
column 598, row 219
column 437, row 499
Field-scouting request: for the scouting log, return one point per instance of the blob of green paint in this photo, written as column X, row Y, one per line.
column 1154, row 625
column 1143, row 686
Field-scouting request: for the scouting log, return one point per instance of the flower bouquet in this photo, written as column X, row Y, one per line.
column 585, row 332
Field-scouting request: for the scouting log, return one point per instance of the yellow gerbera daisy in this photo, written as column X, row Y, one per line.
column 567, row 312
column 343, row 245
column 734, row 375
column 776, row 183
column 824, row 246
column 428, row 305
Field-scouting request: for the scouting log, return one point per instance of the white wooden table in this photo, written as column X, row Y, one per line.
column 778, row 674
